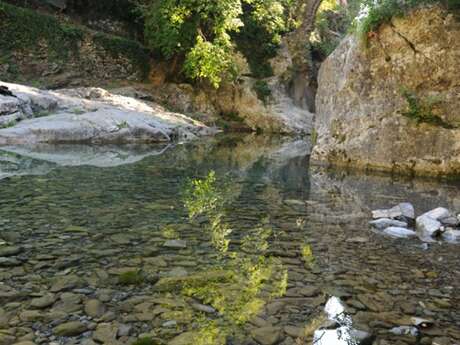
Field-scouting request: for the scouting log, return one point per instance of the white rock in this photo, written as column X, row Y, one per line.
column 427, row 226
column 399, row 232
column 384, row 223
column 94, row 116
column 437, row 213
column 407, row 210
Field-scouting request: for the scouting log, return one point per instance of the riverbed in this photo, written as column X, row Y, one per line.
column 227, row 240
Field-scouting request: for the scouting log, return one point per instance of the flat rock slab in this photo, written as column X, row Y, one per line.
column 91, row 115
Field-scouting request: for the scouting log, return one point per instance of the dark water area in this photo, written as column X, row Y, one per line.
column 229, row 240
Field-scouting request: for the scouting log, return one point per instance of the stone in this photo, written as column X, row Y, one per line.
column 96, row 116
column 407, row 210
column 203, row 308
column 399, row 232
column 405, row 330
column 266, row 335
column 94, row 308
column 66, row 283
column 294, row 332
column 26, row 342
column 70, row 329
column 450, row 221
column 383, row 223
column 10, row 251
column 360, row 119
column 106, row 333
column 342, row 336
column 451, row 235
column 6, row 339
column 9, row 262
column 437, row 214
column 186, row 338
column 124, row 330
column 175, row 244
column 31, row 315
column 43, row 302
column 427, row 226
column 391, row 213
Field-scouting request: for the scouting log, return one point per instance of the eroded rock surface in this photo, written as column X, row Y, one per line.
column 89, row 115
column 362, row 113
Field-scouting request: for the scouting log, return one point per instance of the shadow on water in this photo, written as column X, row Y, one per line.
column 229, row 240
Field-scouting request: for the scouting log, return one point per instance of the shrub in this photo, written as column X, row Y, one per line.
column 422, row 110
column 374, row 13
column 263, row 90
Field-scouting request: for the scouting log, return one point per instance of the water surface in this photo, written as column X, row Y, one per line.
column 231, row 240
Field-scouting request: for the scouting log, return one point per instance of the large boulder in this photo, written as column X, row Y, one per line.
column 91, row 115
column 394, row 105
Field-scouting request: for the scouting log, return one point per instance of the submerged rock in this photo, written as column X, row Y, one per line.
column 403, row 211
column 399, row 232
column 383, row 223
column 451, row 235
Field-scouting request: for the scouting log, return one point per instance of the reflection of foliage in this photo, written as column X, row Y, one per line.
column 131, row 278
column 240, row 297
column 169, row 232
column 202, row 196
column 307, row 254
column 144, row 341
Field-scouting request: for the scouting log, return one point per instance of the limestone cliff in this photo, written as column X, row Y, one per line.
column 394, row 105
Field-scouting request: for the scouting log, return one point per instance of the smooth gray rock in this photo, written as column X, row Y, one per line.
column 405, row 330
column 70, row 329
column 383, row 223
column 403, row 210
column 399, row 232
column 407, row 210
column 437, row 214
column 451, row 235
column 427, row 226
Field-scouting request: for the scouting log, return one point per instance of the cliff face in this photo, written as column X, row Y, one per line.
column 394, row 105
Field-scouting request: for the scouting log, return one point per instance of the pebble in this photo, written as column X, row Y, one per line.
column 175, row 244
column 70, row 329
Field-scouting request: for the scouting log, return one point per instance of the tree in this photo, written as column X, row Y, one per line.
column 199, row 32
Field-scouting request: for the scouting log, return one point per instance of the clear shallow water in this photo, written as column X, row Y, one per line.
column 272, row 239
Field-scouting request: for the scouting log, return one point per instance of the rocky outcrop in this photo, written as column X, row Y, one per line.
column 394, row 105
column 89, row 115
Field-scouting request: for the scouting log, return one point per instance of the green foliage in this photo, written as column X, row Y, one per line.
column 9, row 124
column 202, row 34
column 263, row 90
column 207, row 60
column 422, row 110
column 377, row 12
column 130, row 278
column 27, row 30
column 22, row 28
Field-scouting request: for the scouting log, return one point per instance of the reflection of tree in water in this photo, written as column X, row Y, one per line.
column 253, row 278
